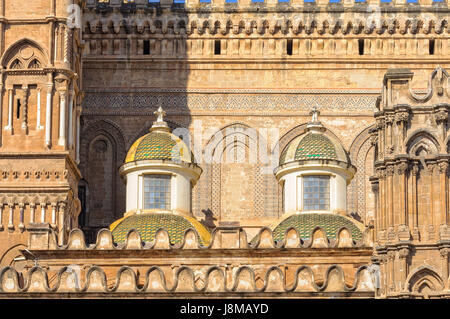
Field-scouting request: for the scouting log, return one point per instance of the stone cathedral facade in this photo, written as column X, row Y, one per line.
column 224, row 148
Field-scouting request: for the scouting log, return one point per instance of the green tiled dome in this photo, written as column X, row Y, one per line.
column 305, row 223
column 315, row 146
column 148, row 224
column 311, row 146
column 159, row 145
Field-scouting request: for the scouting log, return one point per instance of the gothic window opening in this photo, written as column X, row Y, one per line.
column 361, row 46
column 316, row 192
column 431, row 47
column 146, row 48
column 289, row 47
column 217, row 47
column 157, row 191
column 18, row 109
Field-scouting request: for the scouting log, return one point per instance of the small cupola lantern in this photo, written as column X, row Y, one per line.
column 314, row 171
column 159, row 172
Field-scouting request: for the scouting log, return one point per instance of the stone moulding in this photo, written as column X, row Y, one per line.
column 263, row 240
column 247, row 23
column 184, row 280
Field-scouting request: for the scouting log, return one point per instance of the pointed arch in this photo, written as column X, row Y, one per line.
column 424, row 277
column 258, row 189
column 103, row 147
column 362, row 155
column 422, row 141
column 25, row 50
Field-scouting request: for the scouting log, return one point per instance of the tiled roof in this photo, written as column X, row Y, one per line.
column 148, row 224
column 306, row 222
column 157, row 146
column 315, row 146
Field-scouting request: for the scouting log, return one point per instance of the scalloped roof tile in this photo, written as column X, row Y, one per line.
column 148, row 224
column 306, row 222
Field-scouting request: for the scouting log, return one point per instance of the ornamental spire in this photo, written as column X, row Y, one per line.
column 159, row 124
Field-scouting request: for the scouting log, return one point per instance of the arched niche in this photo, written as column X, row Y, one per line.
column 425, row 281
column 422, row 143
column 233, row 169
column 102, row 151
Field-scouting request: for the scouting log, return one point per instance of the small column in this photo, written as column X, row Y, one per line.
column 431, row 221
column 1, row 217
column 382, row 223
column 32, row 212
column 415, row 211
column 391, row 263
column 38, row 110
column 401, row 118
column 381, row 141
column 61, row 237
column 10, row 110
column 62, row 117
column 77, row 155
column 21, row 217
column 11, row 217
column 43, row 206
column 403, row 256
column 445, row 264
column 25, row 92
column 48, row 116
column 1, row 111
column 53, row 220
column 70, row 128
column 389, row 119
column 443, row 169
column 390, row 200
column 403, row 230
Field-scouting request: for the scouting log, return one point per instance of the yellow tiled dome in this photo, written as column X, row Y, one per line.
column 159, row 145
column 147, row 225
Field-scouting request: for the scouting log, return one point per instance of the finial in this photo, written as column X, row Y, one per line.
column 160, row 124
column 314, row 115
column 160, row 113
column 315, row 124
